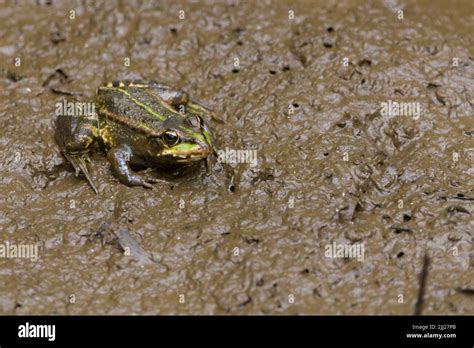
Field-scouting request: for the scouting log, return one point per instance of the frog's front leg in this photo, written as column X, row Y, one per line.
column 119, row 158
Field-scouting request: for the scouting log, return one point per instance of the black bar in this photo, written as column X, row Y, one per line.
column 251, row 329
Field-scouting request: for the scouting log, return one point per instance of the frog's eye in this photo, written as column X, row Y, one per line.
column 171, row 138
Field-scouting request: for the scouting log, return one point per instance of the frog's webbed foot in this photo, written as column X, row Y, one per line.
column 79, row 162
column 119, row 158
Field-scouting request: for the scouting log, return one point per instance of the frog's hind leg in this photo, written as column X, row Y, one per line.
column 171, row 96
column 198, row 109
column 76, row 137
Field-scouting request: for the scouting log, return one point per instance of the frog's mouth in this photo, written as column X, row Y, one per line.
column 186, row 152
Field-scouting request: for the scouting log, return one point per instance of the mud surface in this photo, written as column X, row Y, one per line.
column 332, row 168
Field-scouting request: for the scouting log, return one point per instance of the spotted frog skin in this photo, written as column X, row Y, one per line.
column 138, row 124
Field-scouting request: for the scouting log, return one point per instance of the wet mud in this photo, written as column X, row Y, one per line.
column 301, row 82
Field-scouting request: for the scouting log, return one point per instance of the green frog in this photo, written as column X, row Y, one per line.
column 138, row 124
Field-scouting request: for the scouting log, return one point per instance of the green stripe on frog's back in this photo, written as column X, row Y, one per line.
column 164, row 104
column 128, row 123
column 145, row 107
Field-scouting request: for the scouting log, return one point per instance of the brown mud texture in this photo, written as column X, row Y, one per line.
column 301, row 82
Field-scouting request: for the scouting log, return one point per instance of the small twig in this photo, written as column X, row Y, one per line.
column 422, row 288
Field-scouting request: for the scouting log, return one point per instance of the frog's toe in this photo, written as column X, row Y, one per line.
column 153, row 180
column 146, row 180
column 146, row 185
column 137, row 180
column 79, row 164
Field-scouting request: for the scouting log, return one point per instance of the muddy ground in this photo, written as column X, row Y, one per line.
column 332, row 167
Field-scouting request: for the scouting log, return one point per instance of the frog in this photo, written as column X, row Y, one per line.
column 144, row 124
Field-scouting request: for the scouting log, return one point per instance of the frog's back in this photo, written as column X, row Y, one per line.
column 133, row 103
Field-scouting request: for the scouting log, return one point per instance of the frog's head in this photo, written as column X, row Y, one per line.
column 185, row 140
